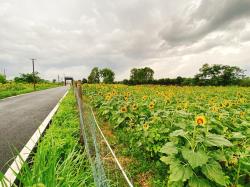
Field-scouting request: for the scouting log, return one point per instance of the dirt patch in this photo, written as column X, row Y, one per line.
column 107, row 131
column 143, row 179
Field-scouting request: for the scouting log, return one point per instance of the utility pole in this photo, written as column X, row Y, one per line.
column 4, row 73
column 33, row 65
column 58, row 78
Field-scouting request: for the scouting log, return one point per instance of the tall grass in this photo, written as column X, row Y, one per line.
column 59, row 160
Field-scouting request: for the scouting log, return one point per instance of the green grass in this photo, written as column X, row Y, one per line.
column 59, row 160
column 12, row 89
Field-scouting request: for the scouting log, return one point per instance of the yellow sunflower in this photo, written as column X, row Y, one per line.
column 151, row 105
column 215, row 109
column 123, row 109
column 107, row 98
column 200, row 120
column 134, row 107
column 145, row 126
column 242, row 114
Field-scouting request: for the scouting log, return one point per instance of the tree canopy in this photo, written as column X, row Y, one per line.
column 84, row 81
column 218, row 74
column 2, row 79
column 108, row 75
column 141, row 75
column 29, row 78
column 94, row 76
column 209, row 75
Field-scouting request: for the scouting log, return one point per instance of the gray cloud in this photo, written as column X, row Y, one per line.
column 71, row 37
column 209, row 17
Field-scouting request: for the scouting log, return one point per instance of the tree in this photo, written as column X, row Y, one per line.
column 84, row 81
column 245, row 82
column 141, row 75
column 29, row 78
column 218, row 74
column 2, row 79
column 94, row 76
column 179, row 80
column 108, row 75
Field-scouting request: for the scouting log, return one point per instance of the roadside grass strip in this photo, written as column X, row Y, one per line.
column 59, row 160
column 13, row 89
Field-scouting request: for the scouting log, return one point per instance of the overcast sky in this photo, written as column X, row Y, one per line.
column 70, row 37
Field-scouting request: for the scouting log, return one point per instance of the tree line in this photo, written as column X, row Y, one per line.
column 25, row 78
column 208, row 75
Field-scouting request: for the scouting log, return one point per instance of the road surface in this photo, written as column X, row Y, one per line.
column 20, row 117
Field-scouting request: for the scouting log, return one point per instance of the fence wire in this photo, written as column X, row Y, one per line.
column 107, row 170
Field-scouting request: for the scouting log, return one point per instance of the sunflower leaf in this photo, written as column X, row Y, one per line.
column 169, row 148
column 179, row 172
column 195, row 159
column 214, row 172
column 217, row 140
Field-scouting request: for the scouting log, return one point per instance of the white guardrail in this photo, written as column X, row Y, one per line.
column 16, row 166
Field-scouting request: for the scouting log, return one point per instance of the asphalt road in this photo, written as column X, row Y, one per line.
column 20, row 117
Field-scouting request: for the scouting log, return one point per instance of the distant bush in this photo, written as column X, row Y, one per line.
column 245, row 82
column 2, row 79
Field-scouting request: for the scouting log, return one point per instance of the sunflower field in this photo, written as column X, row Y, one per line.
column 199, row 135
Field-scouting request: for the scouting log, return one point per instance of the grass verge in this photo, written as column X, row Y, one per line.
column 12, row 89
column 59, row 160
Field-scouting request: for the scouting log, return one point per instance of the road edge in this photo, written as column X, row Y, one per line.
column 16, row 166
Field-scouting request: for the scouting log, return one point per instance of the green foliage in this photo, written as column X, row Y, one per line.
column 12, row 88
column 213, row 171
column 84, row 81
column 217, row 140
column 179, row 172
column 218, row 74
column 59, row 160
column 195, row 159
column 160, row 123
column 29, row 78
column 169, row 148
column 94, row 76
column 210, row 75
column 245, row 82
column 108, row 76
column 2, row 79
column 141, row 75
column 198, row 182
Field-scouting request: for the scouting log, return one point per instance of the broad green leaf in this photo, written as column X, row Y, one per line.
column 169, row 148
column 168, row 159
column 237, row 135
column 213, row 171
column 198, row 182
column 245, row 163
column 218, row 155
column 178, row 133
column 179, row 172
column 195, row 159
column 120, row 120
column 217, row 140
column 105, row 112
column 176, row 184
